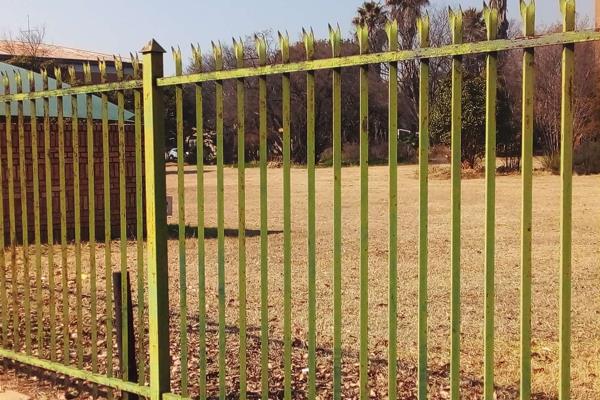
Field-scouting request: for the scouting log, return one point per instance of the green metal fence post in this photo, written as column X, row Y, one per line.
column 391, row 29
column 422, row 380
column 158, row 288
column 362, row 33
column 491, row 22
column 567, row 8
column 456, row 26
column 335, row 38
column 528, row 14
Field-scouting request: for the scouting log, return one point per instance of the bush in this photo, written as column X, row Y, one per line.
column 440, row 154
column 586, row 159
column 378, row 154
column 551, row 163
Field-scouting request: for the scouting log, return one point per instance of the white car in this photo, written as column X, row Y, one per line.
column 171, row 155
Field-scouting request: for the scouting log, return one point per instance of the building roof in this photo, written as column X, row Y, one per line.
column 11, row 71
column 11, row 48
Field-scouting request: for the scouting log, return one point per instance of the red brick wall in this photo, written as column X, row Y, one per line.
column 70, row 200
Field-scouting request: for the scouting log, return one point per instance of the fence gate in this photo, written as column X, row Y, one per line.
column 83, row 196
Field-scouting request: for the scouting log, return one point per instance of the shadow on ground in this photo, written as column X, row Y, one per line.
column 191, row 232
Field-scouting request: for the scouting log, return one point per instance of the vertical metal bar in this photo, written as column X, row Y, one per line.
column 156, row 217
column 11, row 215
column 63, row 219
column 125, row 350
column 284, row 44
column 309, row 44
column 183, row 334
column 392, row 34
column 456, row 26
column 4, row 270
column 77, row 219
column 241, row 162
column 491, row 20
column 139, row 201
column 528, row 14
column 36, row 215
column 423, row 27
column 24, row 219
column 566, row 173
column 363, row 40
column 91, row 217
column 335, row 38
column 107, row 227
column 49, row 217
column 261, row 49
column 218, row 54
column 201, row 249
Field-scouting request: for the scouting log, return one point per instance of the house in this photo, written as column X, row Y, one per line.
column 11, row 50
column 84, row 147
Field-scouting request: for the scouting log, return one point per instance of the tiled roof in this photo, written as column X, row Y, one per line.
column 10, row 71
column 51, row 51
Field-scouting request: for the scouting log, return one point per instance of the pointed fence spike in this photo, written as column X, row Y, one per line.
column 72, row 76
column 284, row 44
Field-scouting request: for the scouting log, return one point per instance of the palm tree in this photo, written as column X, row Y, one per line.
column 473, row 25
column 406, row 13
column 372, row 15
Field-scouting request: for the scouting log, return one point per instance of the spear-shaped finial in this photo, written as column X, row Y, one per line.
column 218, row 55
column 391, row 29
column 238, row 50
column 335, row 38
column 490, row 16
column 119, row 67
column 567, row 8
column 309, row 43
column 423, row 26
column 177, row 60
column 528, row 16
column 362, row 35
column 197, row 56
column 261, row 49
column 456, row 24
column 284, row 46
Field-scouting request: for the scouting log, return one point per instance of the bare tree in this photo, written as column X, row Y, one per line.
column 27, row 48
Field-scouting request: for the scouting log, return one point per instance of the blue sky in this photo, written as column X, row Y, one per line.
column 122, row 26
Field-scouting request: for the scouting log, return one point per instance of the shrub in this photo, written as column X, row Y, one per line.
column 378, row 154
column 551, row 163
column 440, row 154
column 586, row 159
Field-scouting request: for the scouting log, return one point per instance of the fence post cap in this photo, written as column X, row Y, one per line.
column 152, row 47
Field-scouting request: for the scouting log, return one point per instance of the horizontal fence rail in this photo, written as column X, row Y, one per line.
column 392, row 56
column 219, row 317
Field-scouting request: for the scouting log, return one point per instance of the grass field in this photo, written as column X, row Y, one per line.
column 586, row 281
column 586, row 275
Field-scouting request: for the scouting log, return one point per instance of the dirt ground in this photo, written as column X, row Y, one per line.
column 546, row 250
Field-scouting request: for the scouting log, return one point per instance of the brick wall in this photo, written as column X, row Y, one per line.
column 70, row 200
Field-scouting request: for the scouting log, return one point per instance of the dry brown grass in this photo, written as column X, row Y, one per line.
column 586, row 279
column 586, row 307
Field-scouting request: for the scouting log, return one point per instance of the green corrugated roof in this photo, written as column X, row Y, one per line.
column 11, row 70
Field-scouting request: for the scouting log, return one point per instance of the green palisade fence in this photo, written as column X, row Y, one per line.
column 56, row 292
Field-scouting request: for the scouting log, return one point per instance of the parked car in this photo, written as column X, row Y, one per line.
column 171, row 155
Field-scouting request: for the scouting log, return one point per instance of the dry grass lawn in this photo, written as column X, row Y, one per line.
column 546, row 249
